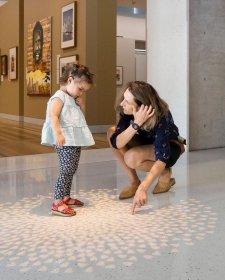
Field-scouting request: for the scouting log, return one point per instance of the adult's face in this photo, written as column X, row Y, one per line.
column 128, row 104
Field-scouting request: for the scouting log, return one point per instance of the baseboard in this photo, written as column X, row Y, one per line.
column 11, row 117
column 21, row 119
column 33, row 121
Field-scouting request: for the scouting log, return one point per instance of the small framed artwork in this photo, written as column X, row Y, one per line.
column 66, row 62
column 69, row 26
column 4, row 65
column 13, row 63
column 119, row 75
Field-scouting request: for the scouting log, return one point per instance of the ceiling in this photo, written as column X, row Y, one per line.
column 132, row 3
column 2, row 2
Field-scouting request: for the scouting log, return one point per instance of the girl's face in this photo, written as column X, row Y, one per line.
column 128, row 103
column 76, row 88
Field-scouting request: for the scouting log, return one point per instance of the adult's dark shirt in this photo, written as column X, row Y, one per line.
column 160, row 136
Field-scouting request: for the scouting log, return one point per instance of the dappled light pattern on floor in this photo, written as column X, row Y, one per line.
column 103, row 234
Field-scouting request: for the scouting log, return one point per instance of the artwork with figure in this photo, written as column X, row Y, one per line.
column 39, row 58
column 119, row 75
column 12, row 63
column 13, row 54
column 37, row 42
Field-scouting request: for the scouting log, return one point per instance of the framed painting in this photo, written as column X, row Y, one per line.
column 69, row 26
column 13, row 63
column 119, row 75
column 65, row 62
column 38, row 74
column 4, row 65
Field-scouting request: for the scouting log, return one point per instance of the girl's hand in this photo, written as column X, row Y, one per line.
column 60, row 140
column 80, row 103
column 140, row 199
column 143, row 114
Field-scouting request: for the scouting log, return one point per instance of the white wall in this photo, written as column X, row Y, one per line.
column 126, row 58
column 131, row 27
column 167, row 55
column 134, row 64
column 140, row 66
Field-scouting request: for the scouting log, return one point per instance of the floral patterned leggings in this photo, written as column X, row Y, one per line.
column 69, row 157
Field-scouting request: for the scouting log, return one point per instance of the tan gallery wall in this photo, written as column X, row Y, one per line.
column 101, row 53
column 9, row 37
column 96, row 47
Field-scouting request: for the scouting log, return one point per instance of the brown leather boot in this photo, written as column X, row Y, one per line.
column 128, row 192
column 163, row 187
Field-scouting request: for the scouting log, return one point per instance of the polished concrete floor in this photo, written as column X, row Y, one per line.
column 178, row 235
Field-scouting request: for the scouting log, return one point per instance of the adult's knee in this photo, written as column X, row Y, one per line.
column 131, row 159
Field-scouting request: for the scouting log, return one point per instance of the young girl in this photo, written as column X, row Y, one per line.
column 65, row 128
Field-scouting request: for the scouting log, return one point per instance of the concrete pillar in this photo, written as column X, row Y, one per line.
column 207, row 74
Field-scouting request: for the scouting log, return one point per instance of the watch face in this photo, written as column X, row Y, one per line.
column 135, row 126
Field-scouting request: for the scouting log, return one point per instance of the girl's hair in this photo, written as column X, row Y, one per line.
column 145, row 94
column 78, row 71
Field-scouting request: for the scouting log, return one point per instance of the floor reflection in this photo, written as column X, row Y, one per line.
column 175, row 231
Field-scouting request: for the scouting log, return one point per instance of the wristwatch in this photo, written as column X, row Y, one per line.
column 135, row 126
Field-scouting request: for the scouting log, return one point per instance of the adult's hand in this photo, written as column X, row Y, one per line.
column 139, row 200
column 142, row 114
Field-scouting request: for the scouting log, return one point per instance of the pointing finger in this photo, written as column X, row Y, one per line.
column 134, row 205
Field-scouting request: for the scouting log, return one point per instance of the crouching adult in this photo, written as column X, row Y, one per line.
column 146, row 139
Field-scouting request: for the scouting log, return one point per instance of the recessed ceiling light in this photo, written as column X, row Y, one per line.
column 2, row 2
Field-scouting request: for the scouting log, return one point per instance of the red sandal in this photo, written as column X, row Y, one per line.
column 65, row 212
column 76, row 202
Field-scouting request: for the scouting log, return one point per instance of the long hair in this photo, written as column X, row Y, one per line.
column 145, row 94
